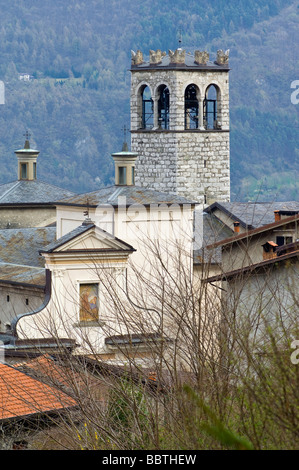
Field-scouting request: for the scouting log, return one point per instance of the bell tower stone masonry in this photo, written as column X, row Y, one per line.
column 180, row 123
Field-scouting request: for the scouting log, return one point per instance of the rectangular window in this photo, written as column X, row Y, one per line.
column 122, row 175
column 34, row 171
column 133, row 175
column 280, row 240
column 23, row 171
column 89, row 302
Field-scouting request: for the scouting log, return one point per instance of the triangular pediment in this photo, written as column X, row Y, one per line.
column 89, row 239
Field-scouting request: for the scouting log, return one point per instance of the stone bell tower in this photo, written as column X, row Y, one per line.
column 180, row 123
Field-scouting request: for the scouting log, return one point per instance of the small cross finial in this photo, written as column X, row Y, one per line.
column 27, row 135
column 125, row 145
column 125, row 133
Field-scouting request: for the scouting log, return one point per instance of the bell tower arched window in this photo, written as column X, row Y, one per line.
column 191, row 107
column 210, row 108
column 163, row 107
column 147, row 109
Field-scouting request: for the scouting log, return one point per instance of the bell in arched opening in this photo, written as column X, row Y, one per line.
column 191, row 107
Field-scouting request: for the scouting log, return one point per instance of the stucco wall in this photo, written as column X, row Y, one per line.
column 267, row 299
column 246, row 252
column 162, row 239
column 13, row 302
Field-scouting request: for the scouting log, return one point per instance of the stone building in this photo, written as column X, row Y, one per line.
column 180, row 124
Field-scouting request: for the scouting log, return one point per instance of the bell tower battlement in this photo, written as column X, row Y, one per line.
column 180, row 123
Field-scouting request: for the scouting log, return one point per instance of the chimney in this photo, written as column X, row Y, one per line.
column 277, row 216
column 269, row 250
column 237, row 227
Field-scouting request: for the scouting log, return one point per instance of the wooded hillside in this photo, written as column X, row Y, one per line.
column 78, row 53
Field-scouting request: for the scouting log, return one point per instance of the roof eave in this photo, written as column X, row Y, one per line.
column 253, row 232
column 252, row 267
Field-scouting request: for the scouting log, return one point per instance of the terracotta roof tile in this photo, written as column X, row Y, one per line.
column 69, row 377
column 47, row 369
column 22, row 395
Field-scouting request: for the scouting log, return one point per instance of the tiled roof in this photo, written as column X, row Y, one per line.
column 256, row 231
column 46, row 368
column 22, row 395
column 21, row 246
column 20, row 261
column 31, row 192
column 262, row 266
column 253, row 214
column 12, row 273
column 130, row 194
column 58, row 373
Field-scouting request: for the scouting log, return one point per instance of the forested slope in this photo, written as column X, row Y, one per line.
column 78, row 52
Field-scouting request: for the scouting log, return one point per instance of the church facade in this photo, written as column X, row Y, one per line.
column 116, row 249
